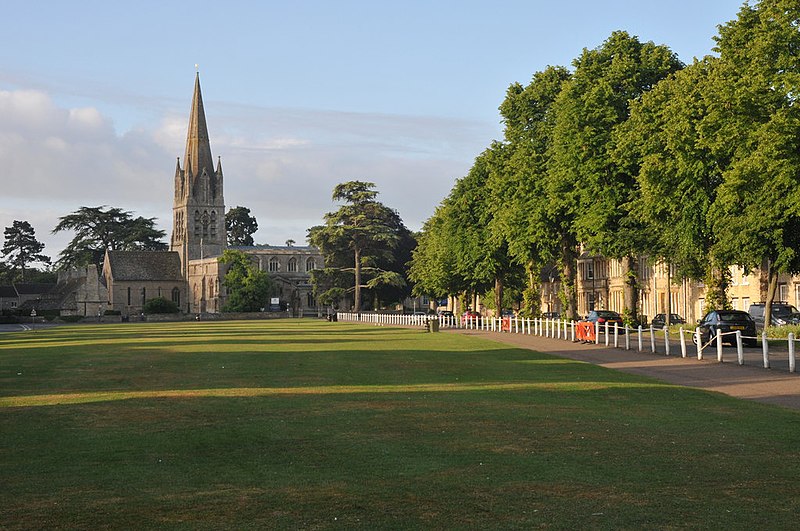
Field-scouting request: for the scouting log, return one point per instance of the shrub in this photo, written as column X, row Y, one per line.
column 160, row 305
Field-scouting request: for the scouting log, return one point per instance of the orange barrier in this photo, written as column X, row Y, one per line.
column 506, row 326
column 584, row 331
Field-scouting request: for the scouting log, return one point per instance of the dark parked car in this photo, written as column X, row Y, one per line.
column 793, row 318
column 660, row 320
column 551, row 315
column 780, row 313
column 728, row 321
column 445, row 314
column 605, row 316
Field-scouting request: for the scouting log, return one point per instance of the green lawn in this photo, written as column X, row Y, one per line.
column 309, row 424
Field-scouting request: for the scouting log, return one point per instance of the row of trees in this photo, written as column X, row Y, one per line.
column 633, row 153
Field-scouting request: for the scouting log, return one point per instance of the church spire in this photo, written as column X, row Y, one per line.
column 198, row 148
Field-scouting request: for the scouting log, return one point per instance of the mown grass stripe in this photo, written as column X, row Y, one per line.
column 238, row 392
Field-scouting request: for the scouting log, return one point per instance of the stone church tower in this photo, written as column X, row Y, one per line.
column 198, row 212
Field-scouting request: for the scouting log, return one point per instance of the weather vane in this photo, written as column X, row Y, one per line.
column 197, row 67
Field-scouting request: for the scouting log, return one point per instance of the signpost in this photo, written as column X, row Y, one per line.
column 33, row 319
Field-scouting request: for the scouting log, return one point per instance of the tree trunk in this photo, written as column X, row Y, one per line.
column 631, row 290
column 357, row 294
column 568, row 258
column 772, row 287
column 498, row 295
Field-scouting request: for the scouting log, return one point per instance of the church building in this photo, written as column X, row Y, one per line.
column 190, row 273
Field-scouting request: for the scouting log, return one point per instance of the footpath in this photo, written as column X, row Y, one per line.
column 748, row 382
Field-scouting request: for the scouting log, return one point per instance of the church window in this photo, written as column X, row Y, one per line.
column 205, row 223
column 311, row 265
column 292, row 265
column 197, row 223
column 310, row 300
column 176, row 296
column 159, row 291
column 213, row 224
column 129, row 296
column 144, row 296
column 274, row 265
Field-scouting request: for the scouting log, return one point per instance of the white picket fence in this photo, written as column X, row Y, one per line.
column 616, row 336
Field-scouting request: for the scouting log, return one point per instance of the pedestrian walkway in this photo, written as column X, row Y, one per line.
column 752, row 383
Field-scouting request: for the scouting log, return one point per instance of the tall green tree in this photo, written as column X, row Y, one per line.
column 21, row 247
column 520, row 205
column 247, row 286
column 668, row 141
column 352, row 240
column 240, row 226
column 590, row 191
column 102, row 228
column 755, row 105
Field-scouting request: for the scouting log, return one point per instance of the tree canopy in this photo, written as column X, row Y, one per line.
column 355, row 241
column 102, row 228
column 240, row 226
column 21, row 247
column 247, row 286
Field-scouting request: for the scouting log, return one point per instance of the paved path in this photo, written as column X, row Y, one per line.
column 753, row 383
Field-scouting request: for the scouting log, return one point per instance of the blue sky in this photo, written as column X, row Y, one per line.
column 95, row 95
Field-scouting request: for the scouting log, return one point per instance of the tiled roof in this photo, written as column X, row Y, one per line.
column 8, row 292
column 33, row 288
column 145, row 265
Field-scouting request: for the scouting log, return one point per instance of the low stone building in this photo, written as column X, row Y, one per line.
column 134, row 277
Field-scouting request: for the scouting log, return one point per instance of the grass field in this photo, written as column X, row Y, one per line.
column 313, row 425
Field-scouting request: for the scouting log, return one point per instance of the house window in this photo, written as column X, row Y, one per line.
column 13, row 304
column 311, row 265
column 274, row 265
column 176, row 296
column 783, row 291
column 589, row 270
column 292, row 265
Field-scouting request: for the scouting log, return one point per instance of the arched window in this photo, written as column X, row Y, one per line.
column 129, row 296
column 144, row 296
column 176, row 297
column 274, row 265
column 205, row 221
column 310, row 300
column 197, row 223
column 311, row 265
column 292, row 265
column 213, row 223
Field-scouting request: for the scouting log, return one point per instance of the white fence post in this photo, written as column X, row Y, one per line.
column 572, row 325
column 719, row 346
column 666, row 340
column 698, row 339
column 765, row 348
column 683, row 343
column 605, row 327
column 739, row 349
column 616, row 335
column 652, row 340
column 640, row 338
column 628, row 331
column 596, row 332
column 791, row 352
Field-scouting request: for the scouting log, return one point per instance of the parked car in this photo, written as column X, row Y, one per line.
column 551, row 315
column 726, row 321
column 507, row 313
column 605, row 316
column 780, row 312
column 660, row 320
column 793, row 318
column 470, row 315
column 445, row 314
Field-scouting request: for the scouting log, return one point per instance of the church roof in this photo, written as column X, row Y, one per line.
column 144, row 265
column 198, row 148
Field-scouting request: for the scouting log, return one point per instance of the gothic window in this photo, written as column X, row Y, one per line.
column 311, row 265
column 205, row 221
column 213, row 224
column 176, row 296
column 292, row 265
column 129, row 296
column 197, row 223
column 274, row 265
column 310, row 300
column 144, row 296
